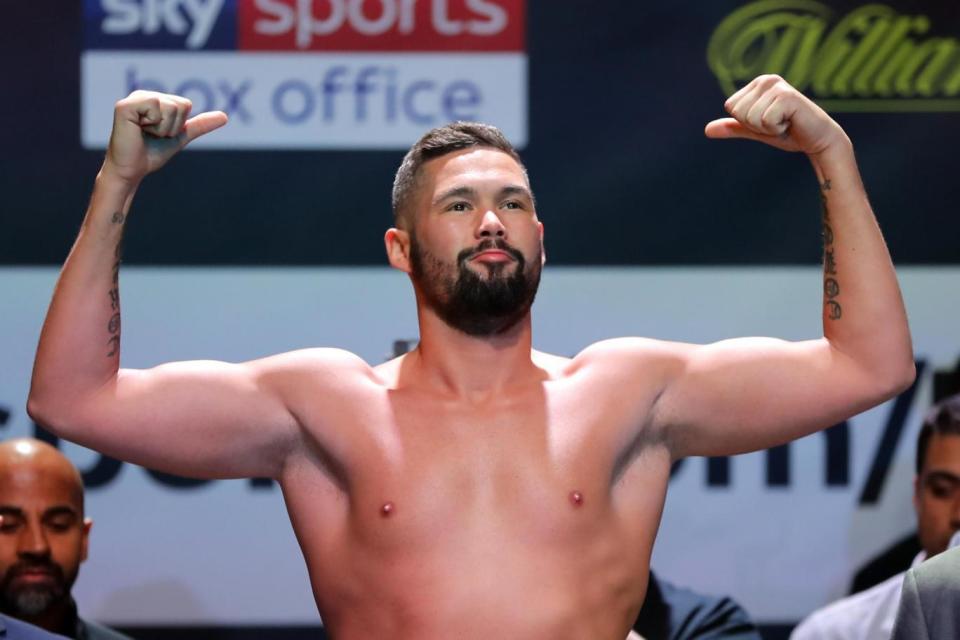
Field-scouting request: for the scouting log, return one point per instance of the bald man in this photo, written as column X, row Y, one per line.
column 43, row 539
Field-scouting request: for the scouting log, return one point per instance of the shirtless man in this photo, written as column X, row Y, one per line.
column 475, row 487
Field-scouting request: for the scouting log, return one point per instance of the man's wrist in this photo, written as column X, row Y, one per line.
column 840, row 150
column 112, row 192
column 112, row 179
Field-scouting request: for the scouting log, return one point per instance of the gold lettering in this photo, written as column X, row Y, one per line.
column 870, row 59
column 951, row 86
column 897, row 32
column 937, row 54
column 760, row 33
column 875, row 21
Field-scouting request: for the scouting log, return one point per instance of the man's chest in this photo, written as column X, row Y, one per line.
column 531, row 463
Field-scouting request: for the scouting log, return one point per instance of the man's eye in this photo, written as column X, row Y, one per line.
column 9, row 525
column 512, row 205
column 942, row 490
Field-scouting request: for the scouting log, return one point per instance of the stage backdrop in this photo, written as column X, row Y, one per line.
column 268, row 236
column 607, row 98
column 781, row 531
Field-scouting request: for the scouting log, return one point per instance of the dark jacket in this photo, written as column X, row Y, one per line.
column 11, row 629
column 671, row 613
column 930, row 600
column 87, row 630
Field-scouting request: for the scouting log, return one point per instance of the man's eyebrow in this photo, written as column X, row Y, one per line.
column 937, row 475
column 455, row 192
column 515, row 189
column 59, row 510
column 10, row 510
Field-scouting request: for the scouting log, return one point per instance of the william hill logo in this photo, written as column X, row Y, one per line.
column 870, row 59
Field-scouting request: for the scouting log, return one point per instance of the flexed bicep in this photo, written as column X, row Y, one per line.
column 748, row 394
column 204, row 419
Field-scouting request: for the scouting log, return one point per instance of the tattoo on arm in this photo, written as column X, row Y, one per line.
column 831, row 284
column 113, row 326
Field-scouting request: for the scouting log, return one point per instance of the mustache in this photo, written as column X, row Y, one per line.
column 488, row 244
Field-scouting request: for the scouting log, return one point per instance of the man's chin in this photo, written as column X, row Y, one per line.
column 492, row 271
column 33, row 602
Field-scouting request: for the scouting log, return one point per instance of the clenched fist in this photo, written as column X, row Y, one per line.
column 769, row 110
column 148, row 129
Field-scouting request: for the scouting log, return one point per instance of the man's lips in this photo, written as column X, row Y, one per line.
column 493, row 255
column 38, row 574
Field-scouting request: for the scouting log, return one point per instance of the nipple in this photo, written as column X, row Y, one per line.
column 386, row 510
column 576, row 498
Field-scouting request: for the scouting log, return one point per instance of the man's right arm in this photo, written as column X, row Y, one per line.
column 206, row 419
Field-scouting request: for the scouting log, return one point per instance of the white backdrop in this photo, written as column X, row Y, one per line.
column 224, row 553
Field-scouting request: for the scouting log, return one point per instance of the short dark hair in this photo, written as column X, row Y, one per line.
column 942, row 419
column 439, row 142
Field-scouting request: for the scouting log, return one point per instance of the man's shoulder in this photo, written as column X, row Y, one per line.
column 316, row 357
column 940, row 571
column 13, row 629
column 631, row 352
column 856, row 616
column 319, row 364
column 95, row 631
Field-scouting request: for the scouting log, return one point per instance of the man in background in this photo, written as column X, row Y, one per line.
column 44, row 537
column 870, row 614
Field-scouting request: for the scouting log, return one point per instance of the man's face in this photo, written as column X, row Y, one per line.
column 43, row 536
column 937, row 493
column 476, row 246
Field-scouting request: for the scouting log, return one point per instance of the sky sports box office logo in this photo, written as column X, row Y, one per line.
column 311, row 74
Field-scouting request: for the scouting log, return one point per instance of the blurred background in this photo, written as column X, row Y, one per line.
column 268, row 236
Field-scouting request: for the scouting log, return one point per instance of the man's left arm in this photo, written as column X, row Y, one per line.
column 747, row 394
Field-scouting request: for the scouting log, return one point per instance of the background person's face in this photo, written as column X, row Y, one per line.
column 43, row 539
column 937, row 493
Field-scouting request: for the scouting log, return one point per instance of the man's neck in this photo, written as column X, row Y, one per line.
column 472, row 367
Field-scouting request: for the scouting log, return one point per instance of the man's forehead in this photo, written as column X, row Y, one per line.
column 943, row 451
column 474, row 163
column 30, row 487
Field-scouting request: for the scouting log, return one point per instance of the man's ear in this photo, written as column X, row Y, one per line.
column 397, row 242
column 543, row 250
column 87, row 525
column 916, row 493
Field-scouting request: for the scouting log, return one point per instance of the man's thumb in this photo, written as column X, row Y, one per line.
column 204, row 123
column 727, row 128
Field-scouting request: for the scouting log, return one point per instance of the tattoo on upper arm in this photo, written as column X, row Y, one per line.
column 831, row 284
column 113, row 325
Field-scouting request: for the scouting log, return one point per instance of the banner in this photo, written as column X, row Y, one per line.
column 781, row 531
column 872, row 57
column 301, row 74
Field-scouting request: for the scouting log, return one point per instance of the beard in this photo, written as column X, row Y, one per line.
column 477, row 306
column 32, row 600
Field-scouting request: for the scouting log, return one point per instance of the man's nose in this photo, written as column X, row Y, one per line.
column 491, row 225
column 33, row 541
